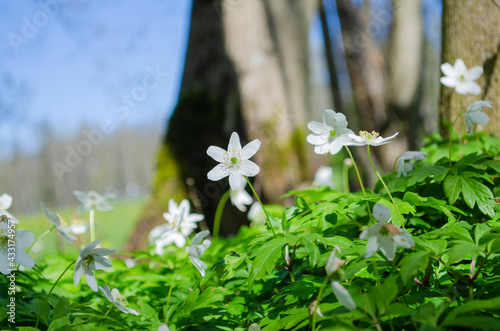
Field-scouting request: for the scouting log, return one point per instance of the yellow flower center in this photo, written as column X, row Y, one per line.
column 333, row 133
column 384, row 231
column 369, row 136
column 232, row 160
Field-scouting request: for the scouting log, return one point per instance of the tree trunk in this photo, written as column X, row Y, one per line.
column 471, row 33
column 246, row 70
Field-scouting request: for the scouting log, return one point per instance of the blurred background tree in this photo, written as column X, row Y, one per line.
column 471, row 32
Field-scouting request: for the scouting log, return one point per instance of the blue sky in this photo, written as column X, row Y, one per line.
column 77, row 60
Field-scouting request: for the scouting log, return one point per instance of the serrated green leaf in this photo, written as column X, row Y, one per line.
column 409, row 265
column 312, row 249
column 452, row 186
column 493, row 164
column 480, row 230
column 59, row 323
column 265, row 259
column 470, row 307
column 231, row 263
column 462, row 250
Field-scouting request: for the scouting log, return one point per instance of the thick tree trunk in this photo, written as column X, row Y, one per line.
column 246, row 70
column 471, row 33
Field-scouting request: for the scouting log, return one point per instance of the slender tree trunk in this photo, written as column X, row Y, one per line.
column 471, row 33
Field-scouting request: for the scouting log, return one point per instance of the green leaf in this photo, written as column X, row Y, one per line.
column 494, row 165
column 231, row 263
column 302, row 204
column 311, row 249
column 61, row 307
column 452, row 186
column 480, row 230
column 410, row 265
column 475, row 323
column 462, row 250
column 265, row 259
column 470, row 307
column 57, row 324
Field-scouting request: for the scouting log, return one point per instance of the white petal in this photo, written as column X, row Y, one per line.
column 216, row 153
column 329, row 117
column 478, row 117
column 371, row 246
column 381, row 213
column 4, row 262
column 235, row 181
column 90, row 278
column 343, row 295
column 404, row 239
column 24, row 238
column 478, row 105
column 387, row 246
column 78, row 271
column 322, row 149
column 200, row 265
column 198, row 238
column 179, row 239
column 468, row 123
column 382, row 141
column 250, row 149
column 163, row 327
column 5, row 202
column 217, row 173
column 315, row 139
column 448, row 81
column 234, row 142
column 335, row 146
column 173, row 208
column 460, row 67
column 475, row 72
column 101, row 263
column 184, row 207
column 86, row 250
column 316, row 127
column 472, row 88
column 448, row 69
column 249, row 169
column 24, row 259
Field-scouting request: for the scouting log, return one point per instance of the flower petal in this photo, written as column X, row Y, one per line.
column 315, row 139
column 90, row 278
column 248, row 168
column 234, row 142
column 78, row 271
column 24, row 238
column 316, row 127
column 371, row 246
column 322, row 149
column 343, row 295
column 235, row 180
column 24, row 259
column 448, row 69
column 478, row 117
column 448, row 81
column 387, row 246
column 381, row 213
column 404, row 239
column 250, row 149
column 335, row 146
column 4, row 262
column 475, row 72
column 217, row 173
column 216, row 153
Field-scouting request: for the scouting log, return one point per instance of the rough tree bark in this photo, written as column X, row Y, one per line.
column 471, row 33
column 246, row 70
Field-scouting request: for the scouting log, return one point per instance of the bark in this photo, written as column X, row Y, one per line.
column 471, row 33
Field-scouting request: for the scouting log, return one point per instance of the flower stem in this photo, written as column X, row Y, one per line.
column 345, row 178
column 264, row 209
column 318, row 299
column 453, row 126
column 92, row 225
column 48, row 295
column 375, row 269
column 218, row 215
column 41, row 236
column 171, row 287
column 360, row 181
column 385, row 186
column 106, row 313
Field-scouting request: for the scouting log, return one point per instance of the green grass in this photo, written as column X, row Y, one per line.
column 112, row 228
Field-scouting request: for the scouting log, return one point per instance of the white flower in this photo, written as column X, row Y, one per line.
column 196, row 250
column 384, row 235
column 324, row 177
column 60, row 226
column 92, row 199
column 474, row 114
column 256, row 214
column 314, row 307
column 91, row 258
column 180, row 224
column 240, row 197
column 405, row 163
column 234, row 162
column 117, row 299
column 461, row 79
column 79, row 227
column 331, row 135
column 372, row 139
column 163, row 327
column 332, row 269
column 5, row 203
column 21, row 239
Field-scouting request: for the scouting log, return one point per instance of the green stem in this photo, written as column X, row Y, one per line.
column 43, row 235
column 171, row 287
column 106, row 313
column 318, row 299
column 92, row 225
column 385, row 186
column 360, row 181
column 218, row 215
column 264, row 209
column 345, row 178
column 375, row 269
column 48, row 295
column 451, row 134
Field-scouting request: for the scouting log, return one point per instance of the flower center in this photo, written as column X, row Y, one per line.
column 4, row 240
column 333, row 133
column 117, row 297
column 462, row 77
column 232, row 161
column 89, row 259
column 384, row 231
column 369, row 136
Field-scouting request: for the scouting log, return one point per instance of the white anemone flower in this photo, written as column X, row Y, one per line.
column 331, row 135
column 60, row 226
column 240, row 197
column 234, row 162
column 117, row 299
column 332, row 270
column 79, row 227
column 324, row 177
column 5, row 203
column 461, row 79
column 405, row 163
column 474, row 114
column 370, row 138
column 256, row 214
column 384, row 235
column 196, row 249
column 20, row 239
column 91, row 258
column 180, row 224
column 92, row 200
